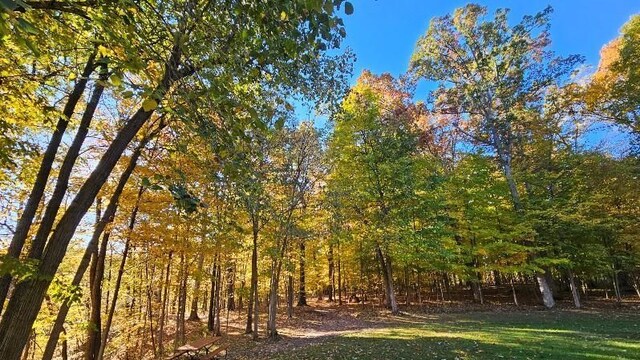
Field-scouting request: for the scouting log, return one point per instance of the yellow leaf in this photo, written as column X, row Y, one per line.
column 115, row 80
column 149, row 104
column 283, row 16
column 103, row 51
column 72, row 76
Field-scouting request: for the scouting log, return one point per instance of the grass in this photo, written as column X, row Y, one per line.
column 510, row 335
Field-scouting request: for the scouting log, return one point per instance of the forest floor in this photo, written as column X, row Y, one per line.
column 601, row 330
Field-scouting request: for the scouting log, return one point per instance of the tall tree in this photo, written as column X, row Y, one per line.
column 488, row 71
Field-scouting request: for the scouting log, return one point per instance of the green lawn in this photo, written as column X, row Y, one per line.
column 510, row 335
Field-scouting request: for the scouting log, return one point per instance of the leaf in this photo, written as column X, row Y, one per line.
column 348, row 8
column 72, row 76
column 149, row 104
column 284, row 16
column 116, row 80
column 27, row 26
column 279, row 124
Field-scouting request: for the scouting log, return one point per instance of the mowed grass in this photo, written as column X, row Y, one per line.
column 497, row 335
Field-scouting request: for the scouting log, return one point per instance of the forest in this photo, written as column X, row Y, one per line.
column 173, row 171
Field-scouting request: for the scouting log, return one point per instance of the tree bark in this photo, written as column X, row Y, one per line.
column 35, row 196
column 24, row 305
column 545, row 290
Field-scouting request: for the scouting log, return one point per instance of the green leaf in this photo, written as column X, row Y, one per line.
column 149, row 104
column 27, row 26
column 348, row 8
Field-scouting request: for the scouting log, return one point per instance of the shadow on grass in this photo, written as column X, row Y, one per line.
column 536, row 335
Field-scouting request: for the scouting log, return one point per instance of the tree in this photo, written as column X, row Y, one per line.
column 488, row 72
column 371, row 151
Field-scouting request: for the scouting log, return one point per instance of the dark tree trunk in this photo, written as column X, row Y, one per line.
column 26, row 218
column 331, row 272
column 231, row 281
column 290, row 296
column 193, row 315
column 116, row 290
column 302, row 294
column 387, row 277
column 62, row 183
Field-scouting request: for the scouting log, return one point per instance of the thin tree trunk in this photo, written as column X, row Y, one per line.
column 513, row 291
column 193, row 316
column 290, row 297
column 331, row 272
column 163, row 310
column 35, row 196
column 116, row 290
column 231, row 281
column 252, row 314
column 302, row 294
column 616, row 286
column 216, row 303
column 25, row 303
column 62, row 183
column 574, row 289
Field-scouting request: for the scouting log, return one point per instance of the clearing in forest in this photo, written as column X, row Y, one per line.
column 352, row 332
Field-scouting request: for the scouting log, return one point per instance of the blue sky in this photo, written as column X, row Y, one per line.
column 383, row 33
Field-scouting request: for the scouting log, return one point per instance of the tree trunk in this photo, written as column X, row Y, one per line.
column 387, row 277
column 116, row 290
column 193, row 315
column 163, row 310
column 616, row 286
column 290, row 297
column 574, row 289
column 182, row 299
column 35, row 196
column 62, row 183
column 231, row 281
column 216, row 303
column 513, row 291
column 545, row 291
column 272, row 332
column 95, row 279
column 331, row 272
column 211, row 317
column 24, row 305
column 302, row 294
column 252, row 313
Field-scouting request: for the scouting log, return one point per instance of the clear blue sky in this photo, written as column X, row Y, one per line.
column 383, row 33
